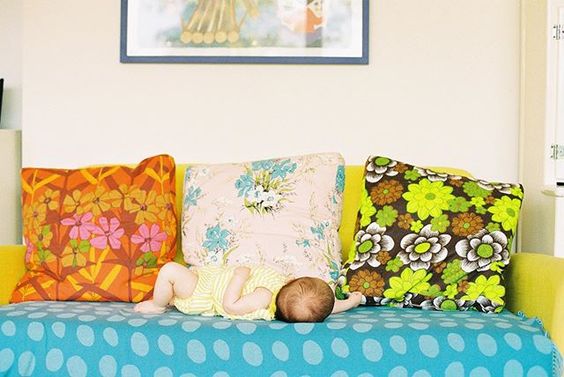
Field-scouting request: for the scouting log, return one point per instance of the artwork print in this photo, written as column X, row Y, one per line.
column 245, row 31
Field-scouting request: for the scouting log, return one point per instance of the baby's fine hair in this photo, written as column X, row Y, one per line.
column 305, row 299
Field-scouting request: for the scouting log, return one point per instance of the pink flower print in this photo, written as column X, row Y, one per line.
column 107, row 233
column 81, row 225
column 29, row 250
column 151, row 239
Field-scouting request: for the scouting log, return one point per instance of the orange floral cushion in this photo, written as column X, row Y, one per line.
column 97, row 234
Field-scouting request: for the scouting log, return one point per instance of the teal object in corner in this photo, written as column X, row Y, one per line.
column 109, row 339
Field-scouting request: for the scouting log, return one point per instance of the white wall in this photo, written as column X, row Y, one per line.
column 442, row 88
column 538, row 209
column 10, row 188
column 11, row 62
column 10, row 140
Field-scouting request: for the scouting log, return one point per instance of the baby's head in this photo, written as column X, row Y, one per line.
column 305, row 299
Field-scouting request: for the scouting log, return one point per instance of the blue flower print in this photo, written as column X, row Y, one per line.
column 216, row 239
column 244, row 184
column 334, row 273
column 283, row 168
column 263, row 165
column 192, row 196
column 304, row 243
column 188, row 174
column 319, row 231
column 340, row 183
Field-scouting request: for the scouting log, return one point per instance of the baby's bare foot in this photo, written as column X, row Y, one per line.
column 149, row 307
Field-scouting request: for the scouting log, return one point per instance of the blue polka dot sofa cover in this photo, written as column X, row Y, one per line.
column 100, row 339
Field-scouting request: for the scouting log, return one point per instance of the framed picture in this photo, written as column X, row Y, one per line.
column 244, row 31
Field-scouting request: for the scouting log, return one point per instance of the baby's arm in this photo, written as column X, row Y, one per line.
column 351, row 302
column 235, row 304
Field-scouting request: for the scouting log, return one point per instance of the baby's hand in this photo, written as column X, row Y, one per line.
column 355, row 298
column 242, row 271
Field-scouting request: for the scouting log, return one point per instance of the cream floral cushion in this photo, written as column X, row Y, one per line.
column 284, row 213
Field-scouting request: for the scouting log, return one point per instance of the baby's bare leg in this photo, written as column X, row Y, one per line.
column 174, row 280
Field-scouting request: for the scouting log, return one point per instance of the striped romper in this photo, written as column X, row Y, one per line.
column 207, row 298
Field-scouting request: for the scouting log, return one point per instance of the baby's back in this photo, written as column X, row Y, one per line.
column 214, row 280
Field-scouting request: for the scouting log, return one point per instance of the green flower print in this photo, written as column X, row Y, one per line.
column 428, row 198
column 394, row 265
column 147, row 260
column 497, row 267
column 505, row 211
column 440, row 224
column 433, row 291
column 368, row 244
column 473, row 189
column 386, row 216
column 458, row 204
column 487, row 287
column 416, row 226
column 453, row 272
column 44, row 256
column 517, row 191
column 478, row 201
column 445, row 304
column 43, row 239
column 492, row 227
column 379, row 166
column 74, row 253
column 367, row 209
column 421, row 249
column 451, row 290
column 482, row 249
column 408, row 281
column 340, row 293
column 412, row 175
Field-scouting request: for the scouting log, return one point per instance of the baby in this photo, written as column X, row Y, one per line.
column 256, row 292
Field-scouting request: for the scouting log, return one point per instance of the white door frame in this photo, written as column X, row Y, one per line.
column 553, row 97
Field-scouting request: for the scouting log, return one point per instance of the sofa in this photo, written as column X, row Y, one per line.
column 110, row 339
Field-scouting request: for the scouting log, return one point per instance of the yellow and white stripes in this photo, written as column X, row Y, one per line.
column 207, row 298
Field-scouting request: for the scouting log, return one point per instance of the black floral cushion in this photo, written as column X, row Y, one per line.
column 431, row 240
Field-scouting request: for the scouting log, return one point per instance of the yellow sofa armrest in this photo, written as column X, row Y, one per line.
column 535, row 286
column 12, row 268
